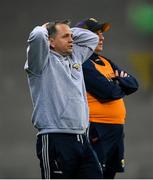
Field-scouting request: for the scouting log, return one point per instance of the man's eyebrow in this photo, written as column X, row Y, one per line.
column 67, row 34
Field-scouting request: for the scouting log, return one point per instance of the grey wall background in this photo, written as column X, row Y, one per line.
column 17, row 136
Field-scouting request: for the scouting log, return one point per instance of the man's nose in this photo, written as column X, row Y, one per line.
column 101, row 37
column 71, row 40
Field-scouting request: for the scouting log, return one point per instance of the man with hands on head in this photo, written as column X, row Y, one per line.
column 55, row 54
column 106, row 86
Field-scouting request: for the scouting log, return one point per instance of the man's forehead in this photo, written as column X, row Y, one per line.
column 63, row 28
column 99, row 31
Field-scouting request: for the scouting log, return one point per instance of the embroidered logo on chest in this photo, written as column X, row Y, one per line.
column 76, row 66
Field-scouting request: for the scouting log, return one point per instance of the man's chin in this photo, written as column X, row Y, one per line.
column 67, row 53
column 98, row 50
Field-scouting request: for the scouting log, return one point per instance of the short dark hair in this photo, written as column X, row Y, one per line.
column 51, row 27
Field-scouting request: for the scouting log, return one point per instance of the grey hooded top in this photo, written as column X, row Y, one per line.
column 56, row 82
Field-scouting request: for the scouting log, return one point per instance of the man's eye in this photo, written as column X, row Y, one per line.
column 65, row 36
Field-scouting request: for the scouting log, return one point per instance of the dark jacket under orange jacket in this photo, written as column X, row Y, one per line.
column 105, row 91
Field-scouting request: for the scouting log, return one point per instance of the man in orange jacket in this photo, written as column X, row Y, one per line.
column 106, row 86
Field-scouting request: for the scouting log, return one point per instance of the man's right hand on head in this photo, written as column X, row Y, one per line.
column 45, row 25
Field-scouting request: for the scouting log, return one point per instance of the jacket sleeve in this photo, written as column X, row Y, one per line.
column 85, row 43
column 128, row 84
column 37, row 51
column 99, row 86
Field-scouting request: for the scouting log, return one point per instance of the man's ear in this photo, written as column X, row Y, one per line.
column 52, row 42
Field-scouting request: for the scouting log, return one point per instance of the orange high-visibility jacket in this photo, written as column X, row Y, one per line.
column 105, row 92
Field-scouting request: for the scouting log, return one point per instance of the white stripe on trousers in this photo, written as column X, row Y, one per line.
column 45, row 156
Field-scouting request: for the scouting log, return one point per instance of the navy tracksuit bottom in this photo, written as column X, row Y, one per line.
column 67, row 156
